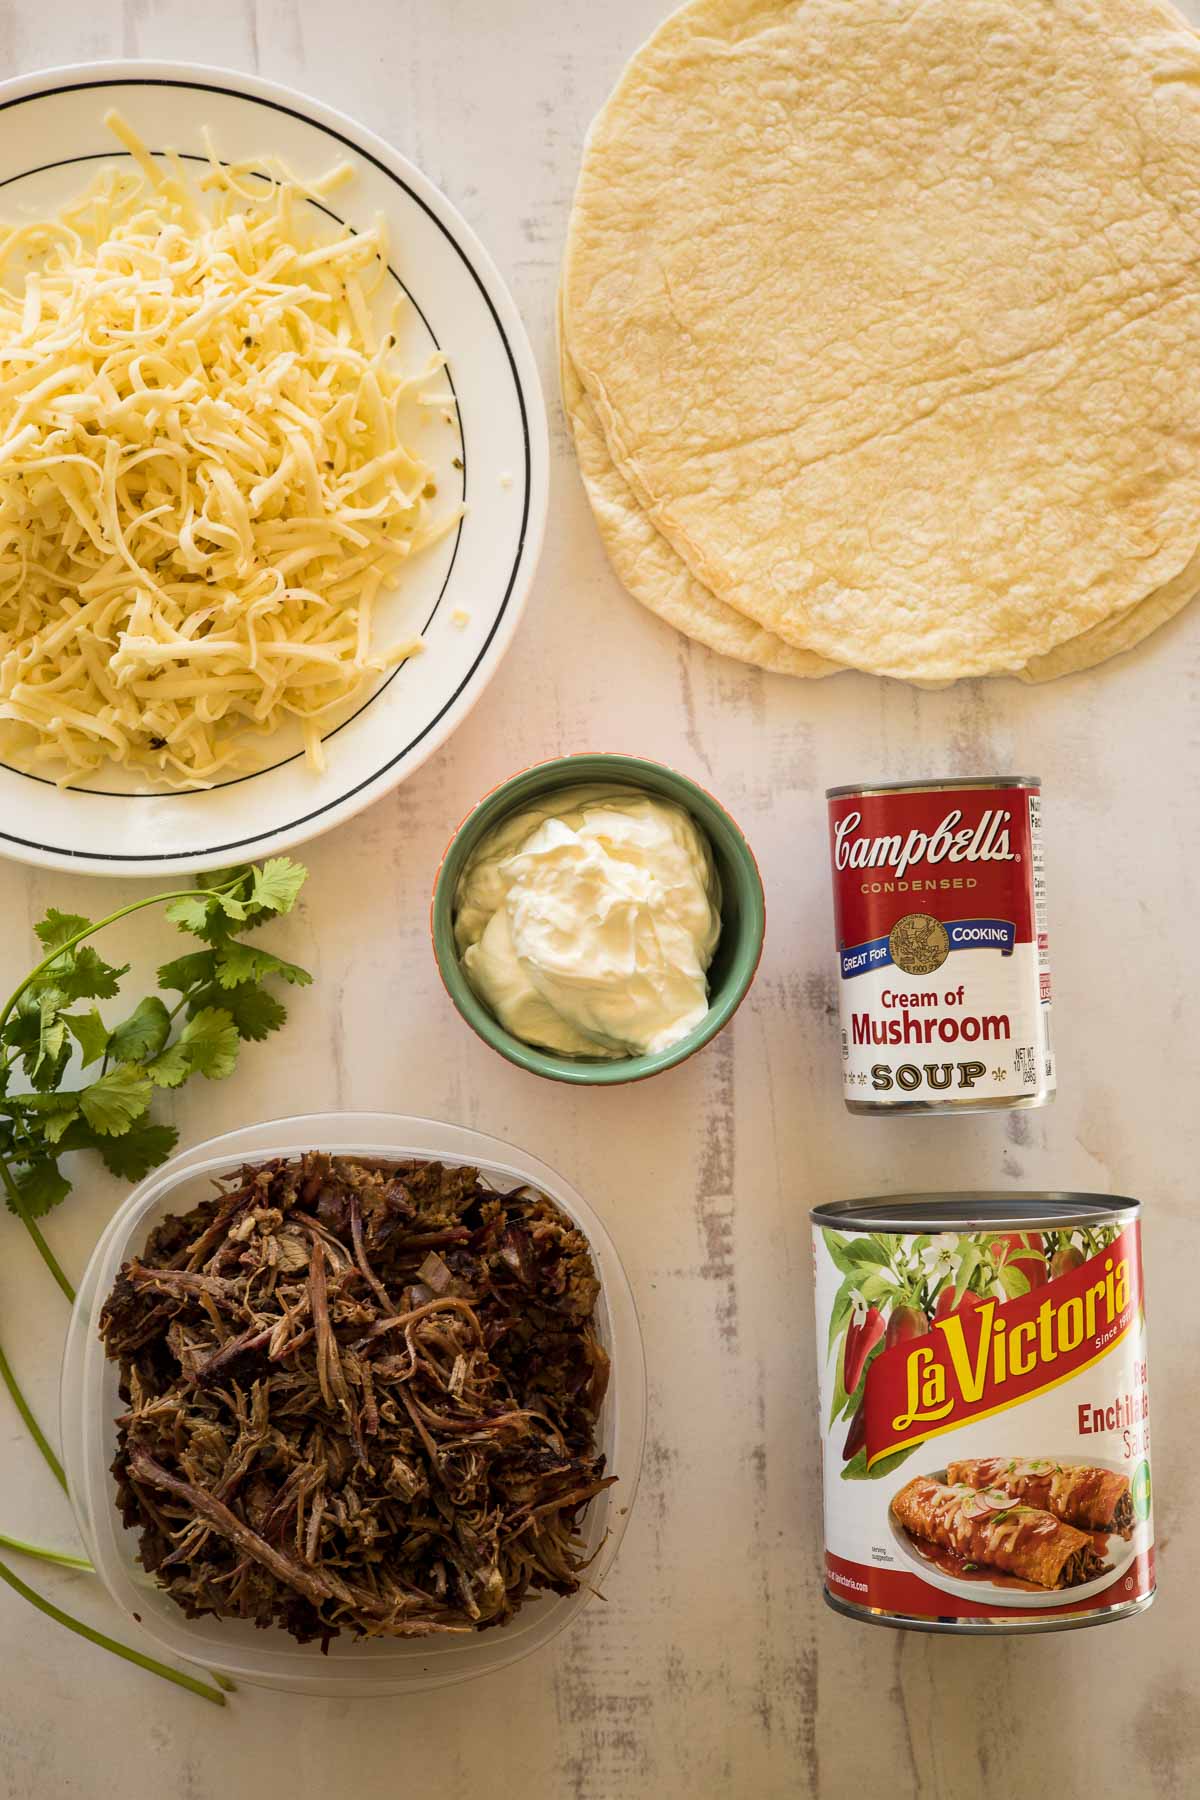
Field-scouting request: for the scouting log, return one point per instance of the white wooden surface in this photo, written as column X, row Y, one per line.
column 713, row 1669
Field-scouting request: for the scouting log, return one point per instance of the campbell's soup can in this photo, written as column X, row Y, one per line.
column 985, row 1413
column 943, row 956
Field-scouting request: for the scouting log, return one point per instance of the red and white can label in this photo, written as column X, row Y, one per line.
column 943, row 956
column 985, row 1421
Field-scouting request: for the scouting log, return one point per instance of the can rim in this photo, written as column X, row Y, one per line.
column 996, row 1626
column 975, row 1210
column 867, row 788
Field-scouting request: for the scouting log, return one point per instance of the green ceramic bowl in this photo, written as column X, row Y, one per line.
column 742, row 912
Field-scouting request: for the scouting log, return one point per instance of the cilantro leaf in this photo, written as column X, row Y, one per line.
column 223, row 894
column 55, row 1111
column 45, row 1075
column 238, row 963
column 90, row 1033
column 254, row 1011
column 111, row 1104
column 83, row 974
column 41, row 1187
column 211, row 1041
column 277, row 884
column 78, row 1135
column 186, row 971
column 57, row 927
column 143, row 1034
column 170, row 1068
column 22, row 1028
column 52, row 1034
column 207, row 916
column 263, row 893
column 139, row 1149
column 190, row 914
column 222, row 985
column 237, row 879
column 36, row 1032
column 58, row 1122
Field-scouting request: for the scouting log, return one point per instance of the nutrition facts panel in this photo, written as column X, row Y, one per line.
column 1041, row 930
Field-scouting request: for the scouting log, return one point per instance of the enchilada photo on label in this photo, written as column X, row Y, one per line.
column 985, row 1412
column 943, row 952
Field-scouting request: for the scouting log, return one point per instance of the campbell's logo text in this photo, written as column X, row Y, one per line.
column 951, row 841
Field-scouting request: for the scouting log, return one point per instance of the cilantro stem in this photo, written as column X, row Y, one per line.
column 212, row 1694
column 12, row 1190
column 26, row 1145
column 47, row 1255
column 122, row 912
column 62, row 1557
column 34, row 1229
column 34, row 1429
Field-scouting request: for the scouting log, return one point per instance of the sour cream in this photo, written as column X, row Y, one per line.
column 587, row 923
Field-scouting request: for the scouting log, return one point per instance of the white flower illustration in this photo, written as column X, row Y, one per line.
column 941, row 1256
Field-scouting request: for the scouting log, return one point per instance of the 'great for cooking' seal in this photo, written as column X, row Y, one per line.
column 943, row 956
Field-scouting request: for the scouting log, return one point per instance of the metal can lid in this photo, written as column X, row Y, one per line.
column 924, row 787
column 966, row 1211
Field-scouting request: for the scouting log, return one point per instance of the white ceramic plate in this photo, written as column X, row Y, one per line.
column 1120, row 1553
column 466, row 595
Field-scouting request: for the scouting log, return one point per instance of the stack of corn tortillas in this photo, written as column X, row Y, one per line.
column 880, row 331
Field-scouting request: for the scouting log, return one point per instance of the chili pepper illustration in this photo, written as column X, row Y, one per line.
column 905, row 1322
column 856, row 1437
column 947, row 1304
column 1064, row 1260
column 1003, row 1247
column 862, row 1334
column 1017, row 1240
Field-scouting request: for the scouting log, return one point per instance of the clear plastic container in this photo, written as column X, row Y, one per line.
column 90, row 1404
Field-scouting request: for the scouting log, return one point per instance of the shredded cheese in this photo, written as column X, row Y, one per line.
column 204, row 483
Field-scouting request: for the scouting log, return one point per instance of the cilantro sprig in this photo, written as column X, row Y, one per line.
column 211, row 1001
column 217, row 998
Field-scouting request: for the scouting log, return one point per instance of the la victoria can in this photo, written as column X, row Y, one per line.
column 985, row 1413
column 943, row 953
